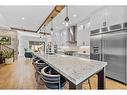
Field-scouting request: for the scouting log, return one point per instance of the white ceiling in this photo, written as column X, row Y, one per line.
column 31, row 34
column 82, row 13
column 33, row 16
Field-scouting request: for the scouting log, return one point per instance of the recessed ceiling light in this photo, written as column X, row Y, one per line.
column 23, row 18
column 88, row 23
column 74, row 15
column 63, row 23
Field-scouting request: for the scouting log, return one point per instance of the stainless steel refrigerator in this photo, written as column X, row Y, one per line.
column 109, row 44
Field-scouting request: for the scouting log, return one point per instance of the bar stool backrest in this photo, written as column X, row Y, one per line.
column 39, row 65
column 50, row 79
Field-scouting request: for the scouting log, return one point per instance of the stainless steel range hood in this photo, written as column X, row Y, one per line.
column 72, row 36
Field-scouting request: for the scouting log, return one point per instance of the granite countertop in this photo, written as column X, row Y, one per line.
column 81, row 53
column 75, row 69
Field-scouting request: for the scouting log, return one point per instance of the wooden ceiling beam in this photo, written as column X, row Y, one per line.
column 20, row 29
column 53, row 14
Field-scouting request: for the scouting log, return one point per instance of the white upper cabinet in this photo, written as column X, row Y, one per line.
column 83, row 34
column 115, row 15
column 97, row 19
column 107, row 16
column 125, row 14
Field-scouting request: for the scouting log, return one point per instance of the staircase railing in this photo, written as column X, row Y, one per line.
column 4, row 49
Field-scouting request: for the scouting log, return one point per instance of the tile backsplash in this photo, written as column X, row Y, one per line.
column 80, row 49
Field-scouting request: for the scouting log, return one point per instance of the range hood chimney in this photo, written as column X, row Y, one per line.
column 72, row 35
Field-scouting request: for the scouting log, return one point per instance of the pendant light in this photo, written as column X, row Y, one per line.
column 40, row 34
column 40, row 37
column 67, row 18
column 44, row 35
column 51, row 26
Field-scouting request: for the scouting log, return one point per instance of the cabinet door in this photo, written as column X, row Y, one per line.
column 102, row 18
column 114, row 55
column 110, row 15
column 94, row 23
column 97, row 20
column 114, row 15
column 83, row 34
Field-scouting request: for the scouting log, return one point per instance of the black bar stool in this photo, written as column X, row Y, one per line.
column 89, row 84
column 28, row 54
column 39, row 64
column 52, row 80
column 35, row 59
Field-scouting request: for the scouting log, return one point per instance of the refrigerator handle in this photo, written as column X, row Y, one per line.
column 102, row 48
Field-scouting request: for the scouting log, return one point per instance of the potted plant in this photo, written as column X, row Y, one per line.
column 8, row 57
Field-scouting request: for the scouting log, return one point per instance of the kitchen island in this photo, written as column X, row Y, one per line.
column 82, row 55
column 76, row 70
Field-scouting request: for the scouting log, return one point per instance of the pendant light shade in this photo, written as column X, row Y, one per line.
column 67, row 18
column 43, row 31
column 40, row 37
column 52, row 26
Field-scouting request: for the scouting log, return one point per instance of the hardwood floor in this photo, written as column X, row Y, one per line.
column 20, row 75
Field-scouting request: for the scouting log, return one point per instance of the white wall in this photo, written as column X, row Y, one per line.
column 3, row 23
column 24, row 43
column 60, row 38
column 24, row 38
column 2, row 20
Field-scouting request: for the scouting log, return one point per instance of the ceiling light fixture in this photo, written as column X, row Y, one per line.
column 52, row 26
column 40, row 37
column 67, row 18
column 63, row 23
column 74, row 15
column 44, row 35
column 22, row 18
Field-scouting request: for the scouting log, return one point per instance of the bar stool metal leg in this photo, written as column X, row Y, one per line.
column 89, row 84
